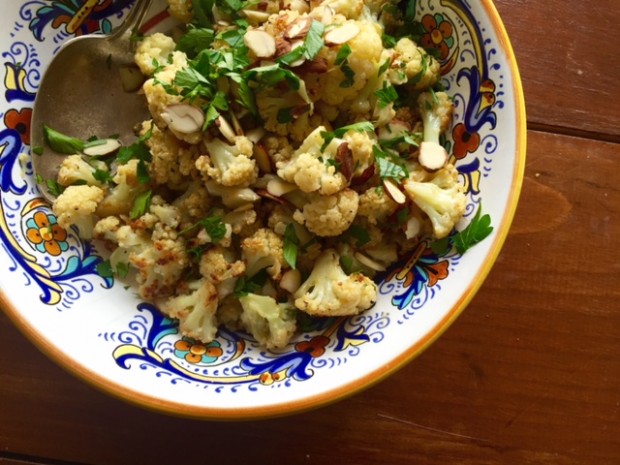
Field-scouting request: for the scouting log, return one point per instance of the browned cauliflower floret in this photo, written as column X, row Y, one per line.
column 74, row 169
column 271, row 323
column 263, row 250
column 329, row 215
column 195, row 309
column 412, row 64
column 153, row 51
column 441, row 198
column 229, row 165
column 376, row 205
column 171, row 162
column 329, row 291
column 76, row 206
column 120, row 198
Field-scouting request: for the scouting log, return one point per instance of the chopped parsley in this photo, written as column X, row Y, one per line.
column 386, row 95
column 291, row 245
column 328, row 136
column 141, row 205
column 62, row 143
column 389, row 165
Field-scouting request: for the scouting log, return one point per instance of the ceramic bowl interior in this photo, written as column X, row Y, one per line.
column 102, row 332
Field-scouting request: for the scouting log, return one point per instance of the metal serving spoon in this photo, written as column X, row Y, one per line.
column 81, row 94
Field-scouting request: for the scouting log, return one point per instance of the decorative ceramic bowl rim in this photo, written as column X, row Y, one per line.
column 343, row 390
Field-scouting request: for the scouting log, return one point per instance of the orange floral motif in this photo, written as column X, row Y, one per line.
column 197, row 352
column 46, row 235
column 315, row 346
column 464, row 141
column 438, row 34
column 19, row 120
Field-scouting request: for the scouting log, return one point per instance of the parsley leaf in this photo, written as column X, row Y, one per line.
column 314, row 40
column 389, row 165
column 291, row 245
column 479, row 228
column 343, row 54
column 359, row 233
column 362, row 126
column 246, row 285
column 386, row 95
column 62, row 143
column 141, row 205
column 195, row 40
column 215, row 228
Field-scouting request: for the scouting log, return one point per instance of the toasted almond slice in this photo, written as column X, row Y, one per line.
column 432, row 156
column 392, row 189
column 102, row 147
column 278, row 187
column 183, row 118
column 255, row 16
column 226, row 129
column 300, row 61
column 260, row 42
column 413, row 226
column 131, row 77
column 342, row 34
column 262, row 158
column 255, row 134
column 236, row 124
column 328, row 15
column 298, row 28
column 369, row 262
column 291, row 280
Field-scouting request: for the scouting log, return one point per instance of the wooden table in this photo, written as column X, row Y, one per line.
column 529, row 374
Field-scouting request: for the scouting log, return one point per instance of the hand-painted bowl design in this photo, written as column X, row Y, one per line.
column 100, row 331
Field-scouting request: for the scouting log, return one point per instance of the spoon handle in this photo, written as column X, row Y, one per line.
column 133, row 20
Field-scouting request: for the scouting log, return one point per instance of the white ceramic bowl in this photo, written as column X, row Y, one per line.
column 104, row 335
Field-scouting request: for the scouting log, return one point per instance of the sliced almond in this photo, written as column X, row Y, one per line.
column 432, row 156
column 278, row 187
column 255, row 16
column 266, row 195
column 260, row 42
column 392, row 189
column 413, row 226
column 262, row 158
column 290, row 281
column 300, row 61
column 102, row 147
column 328, row 15
column 298, row 28
column 342, row 34
column 255, row 134
column 226, row 129
column 344, row 157
column 369, row 262
column 236, row 124
column 131, row 77
column 183, row 118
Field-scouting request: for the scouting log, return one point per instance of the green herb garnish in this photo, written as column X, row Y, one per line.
column 62, row 143
column 141, row 205
column 291, row 245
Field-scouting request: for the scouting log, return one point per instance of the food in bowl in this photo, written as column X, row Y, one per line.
column 292, row 155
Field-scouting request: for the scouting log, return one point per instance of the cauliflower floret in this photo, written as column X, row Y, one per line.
column 156, row 47
column 76, row 206
column 363, row 61
column 196, row 310
column 75, row 169
column 159, row 99
column 193, row 204
column 441, row 198
column 328, row 291
column 376, row 205
column 232, row 197
column 219, row 264
column 436, row 110
column 275, row 107
column 120, row 198
column 264, row 250
column 310, row 168
column 229, row 165
column 350, row 9
column 271, row 323
column 160, row 259
column 329, row 215
column 412, row 64
column 181, row 10
column 171, row 162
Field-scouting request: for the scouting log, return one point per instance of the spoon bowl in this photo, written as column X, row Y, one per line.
column 82, row 94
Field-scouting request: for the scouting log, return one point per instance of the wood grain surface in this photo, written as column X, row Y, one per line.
column 528, row 374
